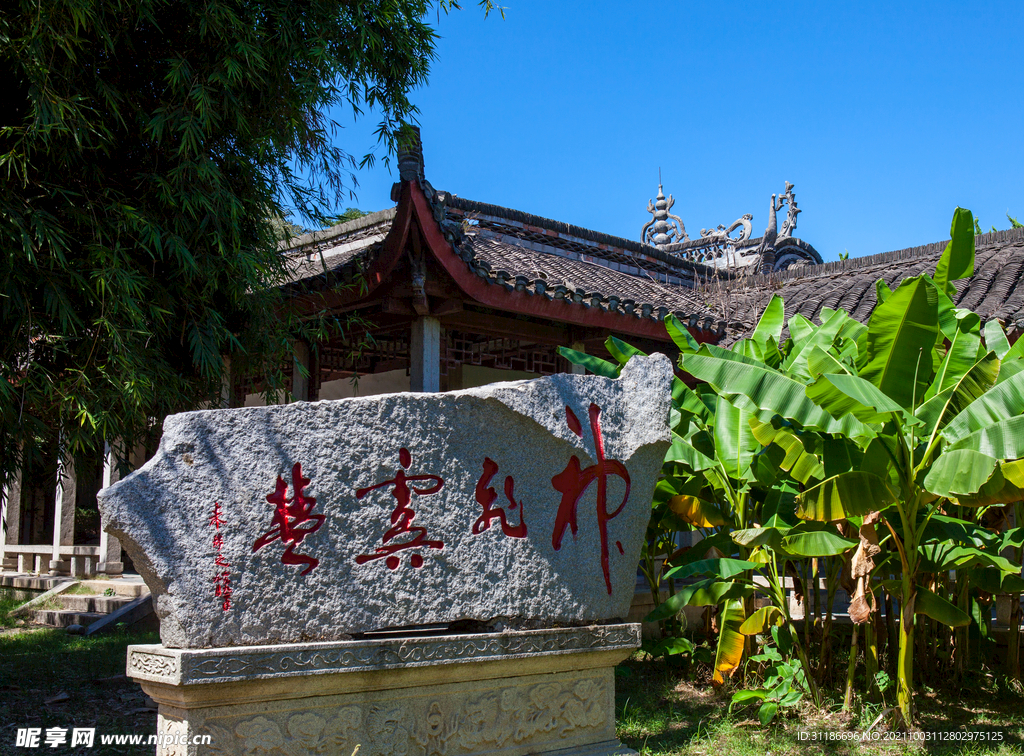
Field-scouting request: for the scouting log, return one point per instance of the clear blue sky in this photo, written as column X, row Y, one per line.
column 886, row 116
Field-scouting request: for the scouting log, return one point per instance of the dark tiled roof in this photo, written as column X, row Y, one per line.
column 994, row 292
column 584, row 282
column 519, row 251
column 316, row 253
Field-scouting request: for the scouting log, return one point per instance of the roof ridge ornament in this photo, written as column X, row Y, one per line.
column 659, row 231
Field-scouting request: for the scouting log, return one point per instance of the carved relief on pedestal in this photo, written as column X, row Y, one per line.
column 446, row 726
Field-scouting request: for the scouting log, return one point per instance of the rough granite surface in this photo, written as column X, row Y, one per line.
column 394, row 493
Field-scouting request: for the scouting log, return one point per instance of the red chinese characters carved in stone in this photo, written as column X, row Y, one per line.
column 222, row 588
column 402, row 516
column 222, row 580
column 486, row 496
column 293, row 520
column 573, row 482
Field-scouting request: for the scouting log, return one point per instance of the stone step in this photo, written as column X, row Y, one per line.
column 60, row 618
column 99, row 604
column 121, row 587
column 30, row 582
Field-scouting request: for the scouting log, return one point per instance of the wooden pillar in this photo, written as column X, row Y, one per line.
column 63, row 511
column 12, row 514
column 226, row 389
column 110, row 548
column 578, row 346
column 302, row 372
column 425, row 356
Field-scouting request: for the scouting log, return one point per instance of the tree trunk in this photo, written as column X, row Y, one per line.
column 851, row 669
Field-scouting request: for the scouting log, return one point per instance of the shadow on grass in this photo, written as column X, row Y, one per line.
column 660, row 713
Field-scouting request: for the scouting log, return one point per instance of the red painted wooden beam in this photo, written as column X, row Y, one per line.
column 493, row 295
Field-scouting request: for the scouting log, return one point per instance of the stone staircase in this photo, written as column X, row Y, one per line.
column 84, row 602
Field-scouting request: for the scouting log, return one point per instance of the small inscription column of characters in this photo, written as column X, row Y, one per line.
column 573, row 482
column 293, row 520
column 402, row 516
column 222, row 577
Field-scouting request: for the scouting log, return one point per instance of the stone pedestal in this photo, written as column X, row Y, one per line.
column 515, row 693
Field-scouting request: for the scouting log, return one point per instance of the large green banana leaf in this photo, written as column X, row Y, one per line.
column 620, row 350
column 735, row 444
column 771, row 322
column 902, row 332
column 844, row 495
column 709, row 592
column 942, row 557
column 723, row 569
column 961, row 356
column 1004, row 487
column 995, row 339
column 731, row 641
column 595, row 365
column 819, row 361
column 957, row 260
column 844, row 394
column 939, row 609
column 795, row 364
column 1002, row 401
column 698, row 512
column 680, row 334
column 762, row 619
column 1002, row 440
column 769, row 391
column 803, row 542
column 942, row 407
column 960, row 472
column 801, row 463
column 683, row 450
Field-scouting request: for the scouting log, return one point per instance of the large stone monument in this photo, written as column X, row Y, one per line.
column 409, row 573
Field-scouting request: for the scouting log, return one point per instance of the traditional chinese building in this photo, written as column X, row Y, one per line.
column 448, row 293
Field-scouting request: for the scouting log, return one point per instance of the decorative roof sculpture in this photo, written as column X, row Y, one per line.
column 658, row 231
column 775, row 250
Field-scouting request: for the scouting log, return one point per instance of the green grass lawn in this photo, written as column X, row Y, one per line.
column 659, row 710
column 660, row 713
column 84, row 675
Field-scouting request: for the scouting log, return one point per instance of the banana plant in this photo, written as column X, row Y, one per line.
column 917, row 411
